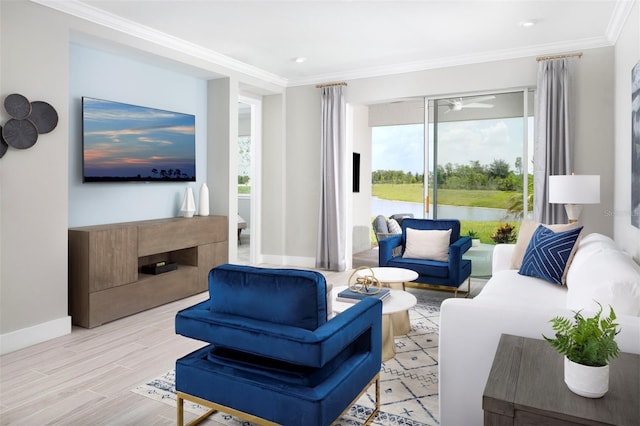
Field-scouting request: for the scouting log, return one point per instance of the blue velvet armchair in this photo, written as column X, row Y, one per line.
column 272, row 355
column 450, row 274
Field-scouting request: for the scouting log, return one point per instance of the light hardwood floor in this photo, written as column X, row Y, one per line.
column 86, row 377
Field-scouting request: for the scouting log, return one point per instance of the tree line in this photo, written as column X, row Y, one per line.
column 496, row 176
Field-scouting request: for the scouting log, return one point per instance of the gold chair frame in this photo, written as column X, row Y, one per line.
column 455, row 291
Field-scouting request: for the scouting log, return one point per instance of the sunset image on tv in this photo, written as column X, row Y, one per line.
column 124, row 142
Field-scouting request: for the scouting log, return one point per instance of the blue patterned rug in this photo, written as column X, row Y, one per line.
column 408, row 386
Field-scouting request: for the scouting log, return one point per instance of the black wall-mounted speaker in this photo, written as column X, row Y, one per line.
column 356, row 172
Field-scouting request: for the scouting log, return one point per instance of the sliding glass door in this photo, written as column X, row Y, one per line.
column 478, row 158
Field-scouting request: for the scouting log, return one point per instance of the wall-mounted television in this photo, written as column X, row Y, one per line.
column 129, row 143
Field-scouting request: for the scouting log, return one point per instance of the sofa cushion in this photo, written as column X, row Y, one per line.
column 527, row 228
column 508, row 288
column 548, row 254
column 427, row 244
column 604, row 274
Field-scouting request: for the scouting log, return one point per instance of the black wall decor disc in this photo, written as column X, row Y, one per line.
column 3, row 144
column 17, row 106
column 43, row 116
column 20, row 134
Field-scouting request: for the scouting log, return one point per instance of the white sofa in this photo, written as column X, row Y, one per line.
column 511, row 303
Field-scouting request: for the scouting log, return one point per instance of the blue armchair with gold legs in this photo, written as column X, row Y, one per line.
column 440, row 266
column 273, row 357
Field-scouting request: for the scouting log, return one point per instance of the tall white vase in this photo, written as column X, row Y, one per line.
column 188, row 207
column 203, row 206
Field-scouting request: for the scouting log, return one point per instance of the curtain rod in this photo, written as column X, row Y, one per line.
column 570, row 55
column 319, row 86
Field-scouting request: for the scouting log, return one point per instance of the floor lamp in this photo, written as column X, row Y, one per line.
column 573, row 191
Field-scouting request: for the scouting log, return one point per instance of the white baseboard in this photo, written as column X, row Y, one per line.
column 292, row 261
column 39, row 333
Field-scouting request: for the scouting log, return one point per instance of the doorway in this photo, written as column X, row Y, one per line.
column 249, row 154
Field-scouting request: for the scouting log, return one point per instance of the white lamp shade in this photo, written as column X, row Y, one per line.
column 574, row 189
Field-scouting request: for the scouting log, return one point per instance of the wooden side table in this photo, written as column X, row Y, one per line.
column 526, row 387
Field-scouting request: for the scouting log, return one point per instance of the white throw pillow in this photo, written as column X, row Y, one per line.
column 427, row 244
column 394, row 227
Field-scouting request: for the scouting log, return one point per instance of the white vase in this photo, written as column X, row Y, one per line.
column 203, row 206
column 584, row 380
column 475, row 242
column 188, row 207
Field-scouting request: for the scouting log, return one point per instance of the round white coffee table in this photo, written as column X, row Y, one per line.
column 398, row 301
column 394, row 278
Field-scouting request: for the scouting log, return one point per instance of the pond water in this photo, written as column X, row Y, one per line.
column 480, row 214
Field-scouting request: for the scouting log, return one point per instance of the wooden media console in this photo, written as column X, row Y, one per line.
column 106, row 281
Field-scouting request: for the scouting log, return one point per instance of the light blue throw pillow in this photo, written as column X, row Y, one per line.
column 549, row 253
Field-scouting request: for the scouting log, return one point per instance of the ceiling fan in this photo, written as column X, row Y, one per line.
column 461, row 103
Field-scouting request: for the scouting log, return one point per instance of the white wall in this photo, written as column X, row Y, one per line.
column 627, row 54
column 361, row 201
column 33, row 182
column 112, row 77
column 274, row 178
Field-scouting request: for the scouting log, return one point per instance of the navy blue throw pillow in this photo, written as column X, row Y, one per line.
column 549, row 253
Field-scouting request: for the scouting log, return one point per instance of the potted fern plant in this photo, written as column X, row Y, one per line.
column 587, row 344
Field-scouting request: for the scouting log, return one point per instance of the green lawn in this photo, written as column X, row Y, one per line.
column 412, row 192
column 453, row 197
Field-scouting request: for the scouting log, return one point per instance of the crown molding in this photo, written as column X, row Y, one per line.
column 117, row 23
column 89, row 13
column 452, row 61
column 621, row 12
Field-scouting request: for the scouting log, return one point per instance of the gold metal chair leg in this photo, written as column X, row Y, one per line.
column 375, row 411
column 180, row 397
column 180, row 405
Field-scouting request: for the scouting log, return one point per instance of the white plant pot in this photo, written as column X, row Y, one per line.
column 584, row 380
column 475, row 242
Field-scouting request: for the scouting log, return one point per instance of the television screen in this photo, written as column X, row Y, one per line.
column 124, row 142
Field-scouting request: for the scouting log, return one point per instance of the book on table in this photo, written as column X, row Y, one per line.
column 351, row 296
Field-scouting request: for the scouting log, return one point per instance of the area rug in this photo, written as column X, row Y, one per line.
column 408, row 385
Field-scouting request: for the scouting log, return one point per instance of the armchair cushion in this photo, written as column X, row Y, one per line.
column 261, row 293
column 286, row 343
column 432, row 268
column 426, row 244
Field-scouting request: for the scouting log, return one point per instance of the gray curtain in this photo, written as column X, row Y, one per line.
column 332, row 228
column 553, row 135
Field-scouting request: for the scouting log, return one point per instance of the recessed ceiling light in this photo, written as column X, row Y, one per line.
column 528, row 23
column 299, row 59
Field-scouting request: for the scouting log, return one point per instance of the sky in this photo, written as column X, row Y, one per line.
column 401, row 147
column 127, row 140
